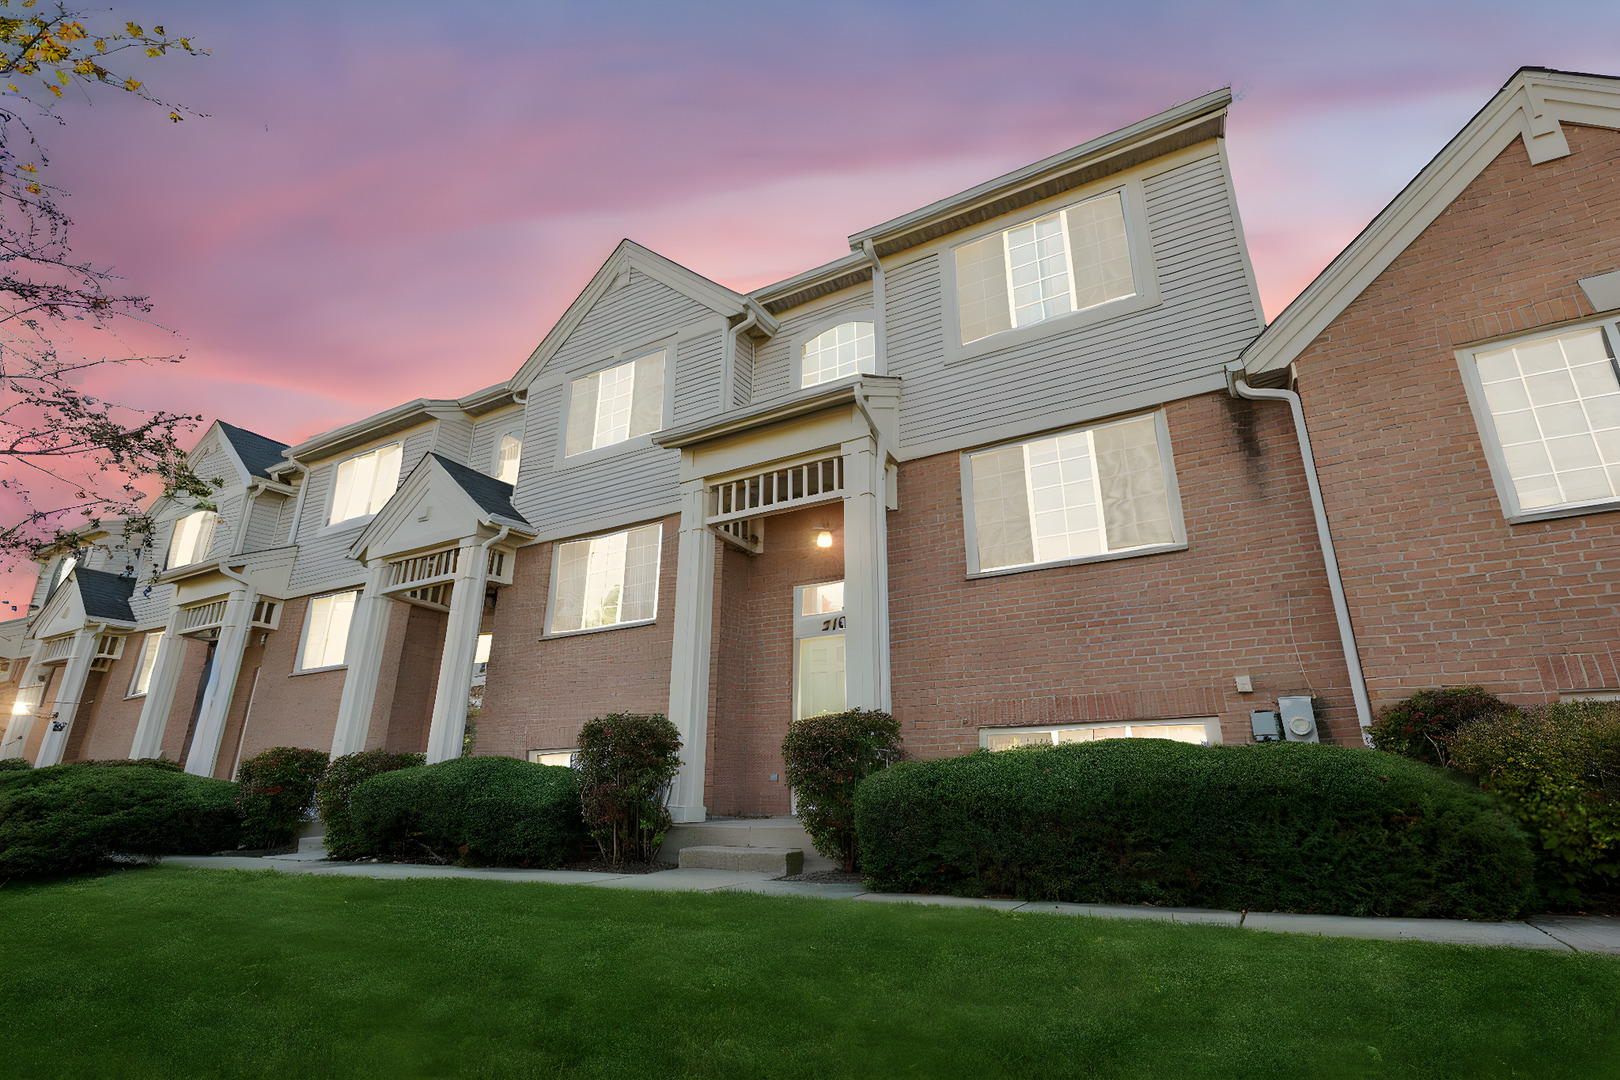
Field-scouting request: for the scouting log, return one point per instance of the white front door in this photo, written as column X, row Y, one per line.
column 818, row 649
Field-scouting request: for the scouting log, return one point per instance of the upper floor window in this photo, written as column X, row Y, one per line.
column 326, row 630
column 1074, row 259
column 616, row 404
column 1082, row 494
column 509, row 454
column 365, row 482
column 845, row 350
column 193, row 534
column 606, row 580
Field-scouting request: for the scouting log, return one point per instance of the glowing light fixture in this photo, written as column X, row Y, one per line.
column 824, row 539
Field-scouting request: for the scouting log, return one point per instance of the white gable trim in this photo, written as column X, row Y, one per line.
column 1532, row 106
column 429, row 509
column 630, row 255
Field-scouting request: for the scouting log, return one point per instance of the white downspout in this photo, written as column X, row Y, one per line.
column 880, row 320
column 1341, row 608
column 298, row 508
column 728, row 358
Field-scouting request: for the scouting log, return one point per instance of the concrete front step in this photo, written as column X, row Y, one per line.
column 774, row 832
column 317, row 843
column 780, row 861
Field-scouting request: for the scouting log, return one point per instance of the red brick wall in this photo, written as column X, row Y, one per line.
column 1157, row 636
column 416, row 677
column 1443, row 590
column 541, row 691
column 288, row 709
column 112, row 718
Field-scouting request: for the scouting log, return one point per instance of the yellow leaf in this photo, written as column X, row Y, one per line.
column 176, row 117
column 101, row 45
column 57, row 90
column 154, row 52
column 62, row 76
column 134, row 29
column 131, row 85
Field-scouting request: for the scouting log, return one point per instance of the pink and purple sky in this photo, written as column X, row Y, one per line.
column 396, row 200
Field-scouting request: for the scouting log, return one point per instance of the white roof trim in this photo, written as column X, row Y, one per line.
column 1532, row 106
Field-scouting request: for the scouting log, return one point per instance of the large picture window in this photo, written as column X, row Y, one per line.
column 616, row 404
column 1075, row 259
column 192, row 537
column 1081, row 494
column 326, row 631
column 365, row 482
column 1551, row 410
column 606, row 580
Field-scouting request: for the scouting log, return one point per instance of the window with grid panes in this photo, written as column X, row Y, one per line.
column 326, row 630
column 1070, row 496
column 845, row 350
column 616, row 404
column 1074, row 259
column 606, row 580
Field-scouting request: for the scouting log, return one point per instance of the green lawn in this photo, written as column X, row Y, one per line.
column 179, row 973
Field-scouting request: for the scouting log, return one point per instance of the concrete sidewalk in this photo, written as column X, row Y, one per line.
column 1556, row 933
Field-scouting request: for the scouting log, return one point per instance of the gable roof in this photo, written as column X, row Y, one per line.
column 257, row 452
column 629, row 254
column 1182, row 126
column 105, row 596
column 493, row 496
column 1532, row 106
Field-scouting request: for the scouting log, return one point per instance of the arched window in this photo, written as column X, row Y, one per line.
column 845, row 350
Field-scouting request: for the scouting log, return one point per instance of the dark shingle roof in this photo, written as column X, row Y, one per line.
column 258, row 453
column 492, row 496
column 105, row 596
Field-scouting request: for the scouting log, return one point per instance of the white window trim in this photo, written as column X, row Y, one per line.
column 1212, row 728
column 303, row 635
column 668, row 343
column 174, row 526
column 1507, row 492
column 1143, row 270
column 548, row 634
column 813, row 329
column 1172, row 495
column 329, row 526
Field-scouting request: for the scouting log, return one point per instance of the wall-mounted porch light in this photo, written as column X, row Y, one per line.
column 824, row 538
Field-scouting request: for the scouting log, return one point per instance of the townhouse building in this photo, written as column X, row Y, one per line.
column 1008, row 470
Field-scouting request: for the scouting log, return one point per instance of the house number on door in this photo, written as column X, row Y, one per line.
column 832, row 624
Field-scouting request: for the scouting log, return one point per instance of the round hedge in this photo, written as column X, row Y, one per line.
column 482, row 811
column 68, row 819
column 1269, row 827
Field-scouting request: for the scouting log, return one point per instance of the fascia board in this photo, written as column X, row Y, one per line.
column 62, row 597
column 742, row 420
column 670, row 273
column 376, row 426
column 1507, row 116
column 1104, row 146
column 843, row 273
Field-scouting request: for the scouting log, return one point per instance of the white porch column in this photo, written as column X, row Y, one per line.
column 216, row 702
column 368, row 632
column 75, row 673
column 449, row 724
column 689, row 665
column 866, row 577
column 160, row 690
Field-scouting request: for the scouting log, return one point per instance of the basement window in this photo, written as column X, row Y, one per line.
column 1205, row 731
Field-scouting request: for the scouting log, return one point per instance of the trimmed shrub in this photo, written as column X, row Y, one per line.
column 825, row 758
column 1421, row 727
column 1268, row 827
column 15, row 764
column 277, row 789
column 626, row 764
column 1558, row 767
column 342, row 776
column 68, row 819
column 485, row 811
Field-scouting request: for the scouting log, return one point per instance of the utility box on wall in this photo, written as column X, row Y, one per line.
column 1298, row 719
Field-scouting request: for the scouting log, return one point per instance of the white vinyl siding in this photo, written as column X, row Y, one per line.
column 326, row 631
column 142, row 678
column 616, row 404
column 191, row 538
column 1554, row 412
column 606, row 580
column 1077, row 495
column 1074, row 259
column 365, row 482
column 845, row 350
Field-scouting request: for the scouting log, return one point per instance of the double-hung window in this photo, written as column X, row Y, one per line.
column 1549, row 408
column 192, row 537
column 365, row 482
column 509, row 454
column 606, row 580
column 141, row 680
column 326, row 630
column 846, row 349
column 1068, row 261
column 1089, row 493
column 616, row 404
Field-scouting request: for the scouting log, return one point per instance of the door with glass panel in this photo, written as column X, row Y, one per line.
column 818, row 649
